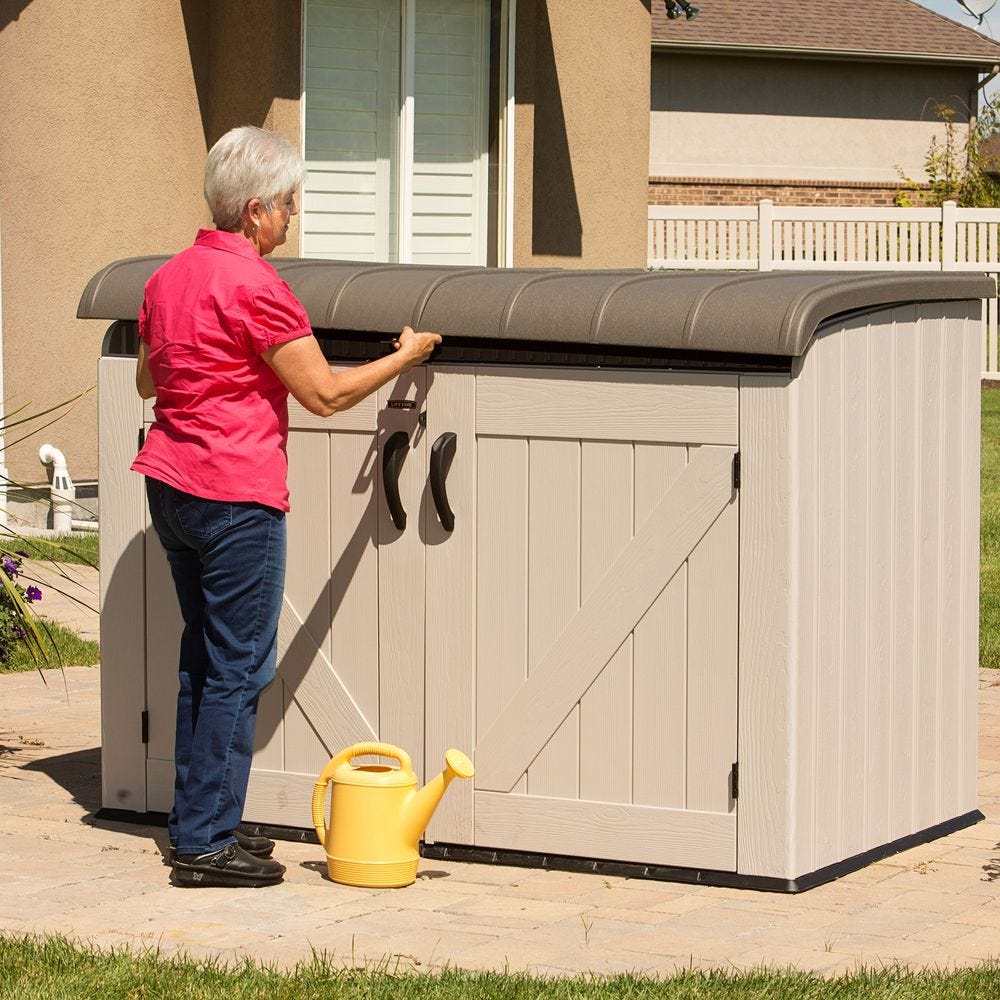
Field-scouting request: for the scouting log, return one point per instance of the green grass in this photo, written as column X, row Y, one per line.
column 989, row 559
column 55, row 969
column 69, row 650
column 82, row 548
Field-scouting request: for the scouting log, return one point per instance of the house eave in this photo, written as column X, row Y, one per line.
column 842, row 55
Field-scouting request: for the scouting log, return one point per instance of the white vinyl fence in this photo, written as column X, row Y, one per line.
column 769, row 237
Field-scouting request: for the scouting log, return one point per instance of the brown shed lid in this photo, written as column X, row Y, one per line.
column 772, row 313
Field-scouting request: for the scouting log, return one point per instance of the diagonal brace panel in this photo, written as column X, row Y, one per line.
column 673, row 529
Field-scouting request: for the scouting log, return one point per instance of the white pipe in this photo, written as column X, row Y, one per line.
column 62, row 490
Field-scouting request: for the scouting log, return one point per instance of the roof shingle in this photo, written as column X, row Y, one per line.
column 891, row 29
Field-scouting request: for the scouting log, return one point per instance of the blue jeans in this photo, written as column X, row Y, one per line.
column 228, row 565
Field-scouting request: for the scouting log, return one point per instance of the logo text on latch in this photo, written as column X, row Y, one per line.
column 402, row 404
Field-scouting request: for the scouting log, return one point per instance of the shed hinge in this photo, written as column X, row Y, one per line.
column 142, row 438
column 144, row 725
column 736, row 471
column 736, row 781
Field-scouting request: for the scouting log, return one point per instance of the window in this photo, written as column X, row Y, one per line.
column 399, row 132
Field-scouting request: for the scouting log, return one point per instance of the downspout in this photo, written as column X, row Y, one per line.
column 974, row 97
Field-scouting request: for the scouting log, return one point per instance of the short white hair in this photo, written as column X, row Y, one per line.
column 248, row 163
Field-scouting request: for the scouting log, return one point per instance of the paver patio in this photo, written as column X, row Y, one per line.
column 105, row 883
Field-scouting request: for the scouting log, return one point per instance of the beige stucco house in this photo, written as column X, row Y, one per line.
column 509, row 132
column 495, row 132
column 803, row 101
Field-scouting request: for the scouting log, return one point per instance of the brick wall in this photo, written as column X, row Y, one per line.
column 742, row 191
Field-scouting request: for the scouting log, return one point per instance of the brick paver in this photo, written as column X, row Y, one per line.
column 105, row 883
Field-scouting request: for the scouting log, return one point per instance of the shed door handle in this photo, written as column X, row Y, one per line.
column 393, row 456
column 442, row 453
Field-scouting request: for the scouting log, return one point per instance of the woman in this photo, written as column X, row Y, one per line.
column 223, row 342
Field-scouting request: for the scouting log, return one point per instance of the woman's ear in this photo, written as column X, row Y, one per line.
column 251, row 216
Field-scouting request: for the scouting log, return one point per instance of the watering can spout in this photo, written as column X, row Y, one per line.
column 420, row 808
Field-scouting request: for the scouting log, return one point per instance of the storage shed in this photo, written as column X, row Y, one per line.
column 688, row 561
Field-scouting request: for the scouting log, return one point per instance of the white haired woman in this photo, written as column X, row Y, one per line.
column 223, row 341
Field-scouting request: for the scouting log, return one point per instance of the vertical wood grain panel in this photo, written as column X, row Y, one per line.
column 607, row 511
column 804, row 432
column 554, row 593
column 307, row 588
column 660, row 655
column 855, row 492
column 502, row 577
column 402, row 583
column 950, row 689
column 970, row 584
column 906, row 452
column 163, row 636
column 880, row 583
column 123, row 681
column 767, row 655
column 827, row 787
column 885, row 515
column 353, row 568
column 713, row 594
column 961, row 397
column 929, row 556
column 451, row 603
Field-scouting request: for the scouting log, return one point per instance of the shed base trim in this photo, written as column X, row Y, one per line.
column 698, row 876
column 623, row 869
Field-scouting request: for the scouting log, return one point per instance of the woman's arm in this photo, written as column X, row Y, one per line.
column 143, row 380
column 306, row 374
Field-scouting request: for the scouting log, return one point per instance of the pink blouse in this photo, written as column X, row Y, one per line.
column 221, row 413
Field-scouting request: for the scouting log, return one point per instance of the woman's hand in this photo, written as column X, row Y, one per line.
column 416, row 347
column 306, row 373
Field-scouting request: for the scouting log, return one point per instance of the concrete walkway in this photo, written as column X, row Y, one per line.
column 105, row 883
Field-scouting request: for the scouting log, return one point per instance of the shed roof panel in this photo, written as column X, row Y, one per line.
column 774, row 313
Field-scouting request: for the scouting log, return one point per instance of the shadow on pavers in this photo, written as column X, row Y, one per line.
column 78, row 772
column 992, row 868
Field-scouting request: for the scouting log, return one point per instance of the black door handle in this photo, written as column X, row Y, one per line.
column 393, row 456
column 442, row 453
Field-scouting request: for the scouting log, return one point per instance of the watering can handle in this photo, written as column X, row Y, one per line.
column 355, row 750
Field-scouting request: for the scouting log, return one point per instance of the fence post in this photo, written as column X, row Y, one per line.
column 765, row 235
column 949, row 236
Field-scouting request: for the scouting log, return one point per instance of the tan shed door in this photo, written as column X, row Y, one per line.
column 350, row 637
column 604, row 617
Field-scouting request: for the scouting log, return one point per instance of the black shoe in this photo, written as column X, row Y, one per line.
column 259, row 847
column 231, row 866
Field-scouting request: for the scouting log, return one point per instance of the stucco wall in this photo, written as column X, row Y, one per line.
column 714, row 116
column 106, row 114
column 581, row 133
column 99, row 159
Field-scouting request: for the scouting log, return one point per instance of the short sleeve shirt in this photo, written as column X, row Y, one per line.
column 221, row 413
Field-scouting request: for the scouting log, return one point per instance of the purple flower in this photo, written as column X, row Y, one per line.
column 9, row 566
column 32, row 594
column 23, row 555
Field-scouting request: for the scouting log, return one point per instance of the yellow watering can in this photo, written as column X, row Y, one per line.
column 377, row 815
